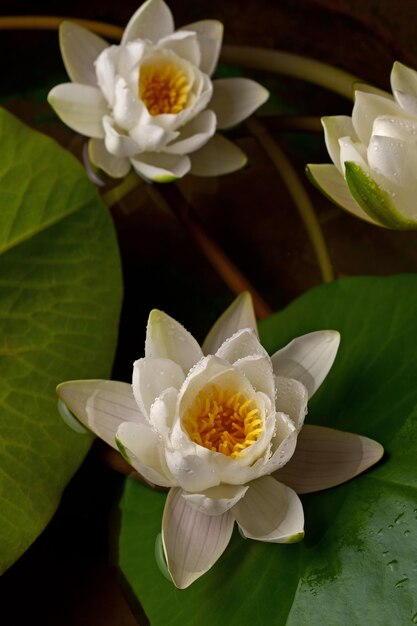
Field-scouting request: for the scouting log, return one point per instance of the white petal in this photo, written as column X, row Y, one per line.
column 167, row 338
column 396, row 127
column 192, row 540
column 331, row 182
column 308, row 359
column 217, row 157
column 193, row 473
column 151, row 137
column 194, row 134
column 101, row 405
column 162, row 412
column 335, row 128
column 101, row 157
column 81, row 107
column 352, row 151
column 325, row 457
column 258, row 370
column 106, row 71
column 80, row 48
column 161, row 168
column 291, row 399
column 367, row 107
column 283, row 443
column 234, row 99
column 407, row 102
column 270, row 511
column 120, row 146
column 127, row 109
column 240, row 314
column 151, row 376
column 404, row 80
column 183, row 43
column 143, row 449
column 243, row 343
column 210, row 35
column 396, row 160
column 153, row 20
column 216, row 500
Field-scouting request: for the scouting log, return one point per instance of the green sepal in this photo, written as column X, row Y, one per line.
column 374, row 200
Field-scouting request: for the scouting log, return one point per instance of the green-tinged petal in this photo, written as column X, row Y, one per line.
column 377, row 202
column 161, row 168
column 216, row 500
column 270, row 511
column 194, row 135
column 210, row 36
column 243, row 343
column 101, row 405
column 80, row 49
column 81, row 107
column 143, row 449
column 367, row 107
column 166, row 338
column 291, row 399
column 151, row 377
column 325, row 457
column 234, row 99
column 330, row 181
column 336, row 127
column 240, row 314
column 192, row 540
column 219, row 156
column 308, row 359
column 117, row 167
column 153, row 20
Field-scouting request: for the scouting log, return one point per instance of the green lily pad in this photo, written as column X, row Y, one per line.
column 59, row 308
column 358, row 561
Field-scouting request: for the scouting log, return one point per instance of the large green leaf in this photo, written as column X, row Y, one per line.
column 60, row 293
column 358, row 562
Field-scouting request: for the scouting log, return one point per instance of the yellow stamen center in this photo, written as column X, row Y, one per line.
column 163, row 87
column 223, row 420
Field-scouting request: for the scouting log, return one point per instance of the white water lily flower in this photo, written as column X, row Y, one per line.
column 213, row 423
column 375, row 154
column 150, row 102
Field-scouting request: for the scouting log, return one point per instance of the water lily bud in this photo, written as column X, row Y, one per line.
column 375, row 154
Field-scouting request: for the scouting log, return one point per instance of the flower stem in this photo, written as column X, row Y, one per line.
column 298, row 194
column 263, row 59
column 293, row 65
column 231, row 275
column 117, row 193
column 52, row 22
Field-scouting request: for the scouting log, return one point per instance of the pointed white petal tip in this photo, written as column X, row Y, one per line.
column 308, row 359
column 239, row 315
column 326, row 457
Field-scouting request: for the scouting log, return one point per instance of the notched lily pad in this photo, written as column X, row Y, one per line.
column 60, row 300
